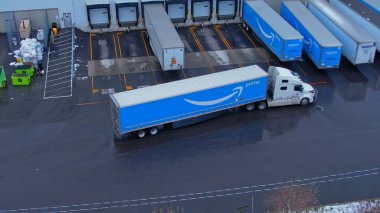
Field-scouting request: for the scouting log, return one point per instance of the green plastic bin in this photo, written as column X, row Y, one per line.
column 20, row 79
column 3, row 78
column 25, row 69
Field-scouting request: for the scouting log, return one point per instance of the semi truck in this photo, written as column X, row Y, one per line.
column 359, row 47
column 281, row 38
column 147, row 110
column 163, row 38
column 322, row 47
column 362, row 16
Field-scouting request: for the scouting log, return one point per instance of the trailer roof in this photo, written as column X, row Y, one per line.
column 186, row 86
column 374, row 4
column 277, row 23
column 342, row 21
column 163, row 26
column 320, row 33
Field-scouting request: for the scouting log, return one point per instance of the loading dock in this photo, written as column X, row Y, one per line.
column 127, row 12
column 226, row 9
column 143, row 2
column 98, row 13
column 177, row 10
column 201, row 10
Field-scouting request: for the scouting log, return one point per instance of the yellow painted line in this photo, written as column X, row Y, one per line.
column 91, row 103
column 226, row 43
column 114, row 44
column 92, row 78
column 147, row 53
column 125, row 82
column 201, row 49
column 92, row 85
column 146, row 47
column 224, row 40
column 118, row 41
column 91, row 45
column 250, row 39
column 318, row 83
column 246, row 35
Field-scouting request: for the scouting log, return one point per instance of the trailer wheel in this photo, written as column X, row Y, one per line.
column 249, row 107
column 153, row 131
column 262, row 105
column 141, row 133
column 304, row 101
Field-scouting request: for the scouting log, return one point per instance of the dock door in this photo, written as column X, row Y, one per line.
column 201, row 10
column 98, row 13
column 226, row 9
column 177, row 10
column 127, row 12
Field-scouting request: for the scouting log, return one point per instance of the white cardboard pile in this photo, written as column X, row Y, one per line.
column 30, row 51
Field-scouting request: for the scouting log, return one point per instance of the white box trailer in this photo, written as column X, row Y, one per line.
column 361, row 15
column 359, row 47
column 164, row 39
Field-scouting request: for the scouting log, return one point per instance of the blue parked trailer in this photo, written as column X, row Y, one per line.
column 323, row 48
column 284, row 41
column 373, row 4
column 151, row 107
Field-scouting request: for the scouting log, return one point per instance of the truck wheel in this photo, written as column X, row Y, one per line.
column 153, row 131
column 304, row 101
column 262, row 105
column 249, row 107
column 141, row 133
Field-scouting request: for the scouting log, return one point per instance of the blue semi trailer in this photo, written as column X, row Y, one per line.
column 146, row 110
column 281, row 38
column 322, row 47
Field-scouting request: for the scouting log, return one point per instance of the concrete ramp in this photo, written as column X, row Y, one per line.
column 193, row 60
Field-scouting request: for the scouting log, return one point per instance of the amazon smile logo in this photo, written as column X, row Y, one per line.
column 236, row 91
column 268, row 36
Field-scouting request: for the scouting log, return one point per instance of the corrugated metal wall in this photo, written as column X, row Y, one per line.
column 36, row 17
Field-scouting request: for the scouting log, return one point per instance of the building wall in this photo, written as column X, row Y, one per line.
column 77, row 8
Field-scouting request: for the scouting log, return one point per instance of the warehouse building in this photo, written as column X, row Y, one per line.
column 92, row 14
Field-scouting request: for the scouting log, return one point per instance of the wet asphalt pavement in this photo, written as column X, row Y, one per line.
column 60, row 152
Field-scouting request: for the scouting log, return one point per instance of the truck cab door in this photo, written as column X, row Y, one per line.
column 297, row 93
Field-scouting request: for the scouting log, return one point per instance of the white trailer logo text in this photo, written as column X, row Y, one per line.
column 236, row 90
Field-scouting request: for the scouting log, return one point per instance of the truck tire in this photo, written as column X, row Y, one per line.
column 249, row 107
column 304, row 101
column 262, row 105
column 141, row 133
column 153, row 131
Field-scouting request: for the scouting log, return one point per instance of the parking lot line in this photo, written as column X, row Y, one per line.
column 225, row 42
column 91, row 46
column 250, row 40
column 92, row 77
column 58, row 84
column 59, row 73
column 118, row 41
column 147, row 53
column 59, row 68
column 60, row 63
column 114, row 45
column 247, row 36
column 200, row 47
column 59, row 78
column 58, row 59
column 146, row 47
column 59, row 42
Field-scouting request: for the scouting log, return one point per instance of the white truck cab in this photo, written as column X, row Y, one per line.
column 286, row 88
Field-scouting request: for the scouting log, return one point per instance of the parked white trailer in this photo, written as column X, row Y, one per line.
column 361, row 15
column 164, row 39
column 359, row 47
